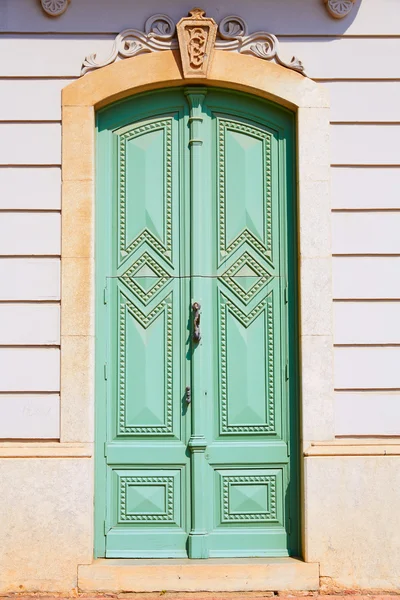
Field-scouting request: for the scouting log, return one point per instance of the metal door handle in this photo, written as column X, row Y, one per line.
column 188, row 394
column 196, row 322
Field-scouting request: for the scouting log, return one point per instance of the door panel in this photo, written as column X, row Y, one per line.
column 247, row 451
column 146, row 476
column 193, row 201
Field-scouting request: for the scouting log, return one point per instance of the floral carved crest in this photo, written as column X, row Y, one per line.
column 339, row 8
column 196, row 36
column 54, row 8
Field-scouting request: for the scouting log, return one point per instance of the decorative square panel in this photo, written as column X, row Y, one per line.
column 250, row 498
column 146, row 499
column 145, row 278
column 246, row 277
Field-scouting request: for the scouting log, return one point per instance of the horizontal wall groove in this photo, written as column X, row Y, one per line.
column 366, row 165
column 28, row 393
column 365, row 123
column 369, row 345
column 366, row 389
column 30, row 121
column 39, row 77
column 44, row 301
column 367, row 210
column 22, row 256
column 18, row 211
column 300, row 36
column 356, row 79
column 31, row 347
column 365, row 255
column 30, row 165
column 366, row 299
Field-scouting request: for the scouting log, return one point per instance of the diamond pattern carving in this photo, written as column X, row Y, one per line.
column 145, row 278
column 151, row 499
column 249, row 498
column 246, row 277
column 162, row 246
column 262, row 245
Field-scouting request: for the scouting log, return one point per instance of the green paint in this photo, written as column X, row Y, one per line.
column 195, row 204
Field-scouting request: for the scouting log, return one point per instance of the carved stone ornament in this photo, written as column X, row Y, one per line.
column 197, row 37
column 54, row 8
column 339, row 8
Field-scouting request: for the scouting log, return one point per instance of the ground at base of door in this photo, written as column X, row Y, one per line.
column 344, row 595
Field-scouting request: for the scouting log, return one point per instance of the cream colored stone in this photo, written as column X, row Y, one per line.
column 313, row 146
column 77, row 388
column 46, row 523
column 355, row 447
column 77, row 310
column 77, row 143
column 45, row 450
column 315, row 296
column 317, row 388
column 162, row 69
column 315, row 219
column 77, row 214
column 352, row 519
column 216, row 575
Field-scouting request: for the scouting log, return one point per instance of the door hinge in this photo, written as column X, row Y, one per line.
column 105, row 295
column 288, row 448
column 107, row 528
column 105, row 449
column 289, row 526
column 286, row 294
column 287, row 371
column 105, row 371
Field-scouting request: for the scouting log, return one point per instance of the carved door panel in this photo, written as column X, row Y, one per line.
column 247, row 436
column 146, row 476
column 193, row 193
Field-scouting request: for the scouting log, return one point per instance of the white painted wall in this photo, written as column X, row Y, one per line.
column 356, row 59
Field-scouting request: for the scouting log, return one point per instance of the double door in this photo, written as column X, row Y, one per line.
column 195, row 386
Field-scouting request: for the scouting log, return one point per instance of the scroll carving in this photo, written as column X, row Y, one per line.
column 339, row 8
column 196, row 36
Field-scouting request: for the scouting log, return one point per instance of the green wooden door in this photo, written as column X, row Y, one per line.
column 195, row 209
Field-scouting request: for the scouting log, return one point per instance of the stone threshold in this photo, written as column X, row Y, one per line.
column 211, row 575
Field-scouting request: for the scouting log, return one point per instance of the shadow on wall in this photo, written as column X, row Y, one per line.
column 283, row 18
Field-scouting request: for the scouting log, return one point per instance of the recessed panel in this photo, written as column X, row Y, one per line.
column 145, row 187
column 246, row 353
column 244, row 181
column 249, row 497
column 147, row 497
column 145, row 369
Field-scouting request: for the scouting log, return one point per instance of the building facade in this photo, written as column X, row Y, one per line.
column 200, row 295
